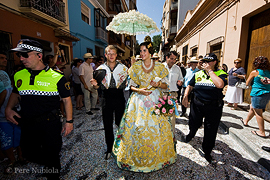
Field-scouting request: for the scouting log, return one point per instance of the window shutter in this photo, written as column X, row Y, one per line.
column 85, row 10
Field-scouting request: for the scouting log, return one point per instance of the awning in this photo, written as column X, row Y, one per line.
column 65, row 34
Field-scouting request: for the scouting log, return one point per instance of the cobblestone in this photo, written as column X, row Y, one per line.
column 82, row 157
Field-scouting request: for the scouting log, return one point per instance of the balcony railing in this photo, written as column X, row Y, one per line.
column 101, row 34
column 53, row 8
column 115, row 7
column 173, row 29
column 174, row 5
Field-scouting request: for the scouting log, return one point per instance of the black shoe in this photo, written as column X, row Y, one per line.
column 188, row 138
column 266, row 148
column 89, row 113
column 208, row 157
column 182, row 114
column 94, row 109
column 107, row 155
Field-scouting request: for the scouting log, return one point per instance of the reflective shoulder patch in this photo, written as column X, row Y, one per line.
column 67, row 85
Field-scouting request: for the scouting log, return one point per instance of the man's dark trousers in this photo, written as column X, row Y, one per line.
column 114, row 104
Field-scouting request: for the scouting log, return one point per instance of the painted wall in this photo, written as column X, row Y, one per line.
column 233, row 25
column 18, row 25
column 82, row 30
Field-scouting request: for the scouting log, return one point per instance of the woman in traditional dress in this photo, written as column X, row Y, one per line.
column 144, row 141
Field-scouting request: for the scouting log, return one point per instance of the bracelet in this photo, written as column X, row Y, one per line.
column 210, row 71
column 70, row 121
column 138, row 91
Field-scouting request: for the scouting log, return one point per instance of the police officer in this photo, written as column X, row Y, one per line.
column 207, row 102
column 39, row 88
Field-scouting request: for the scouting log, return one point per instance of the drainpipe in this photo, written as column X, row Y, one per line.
column 223, row 53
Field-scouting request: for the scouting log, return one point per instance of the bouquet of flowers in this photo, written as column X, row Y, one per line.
column 166, row 106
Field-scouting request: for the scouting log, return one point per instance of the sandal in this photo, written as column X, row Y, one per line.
column 242, row 121
column 255, row 133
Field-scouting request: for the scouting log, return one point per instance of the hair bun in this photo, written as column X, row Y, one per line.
column 147, row 39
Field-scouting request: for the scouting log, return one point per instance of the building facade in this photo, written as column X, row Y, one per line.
column 88, row 20
column 230, row 29
column 123, row 43
column 174, row 12
column 44, row 21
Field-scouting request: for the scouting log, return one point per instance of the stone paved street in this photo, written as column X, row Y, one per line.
column 83, row 151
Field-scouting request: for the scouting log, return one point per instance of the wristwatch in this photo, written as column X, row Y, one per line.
column 70, row 121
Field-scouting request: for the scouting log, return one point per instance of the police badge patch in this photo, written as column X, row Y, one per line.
column 19, row 83
column 67, row 85
column 199, row 79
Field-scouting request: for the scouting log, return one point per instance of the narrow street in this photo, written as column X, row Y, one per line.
column 83, row 150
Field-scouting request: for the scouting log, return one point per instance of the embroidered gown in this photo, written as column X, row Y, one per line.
column 144, row 141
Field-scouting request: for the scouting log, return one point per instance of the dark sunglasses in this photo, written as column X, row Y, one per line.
column 23, row 54
column 236, row 62
column 155, row 58
column 204, row 61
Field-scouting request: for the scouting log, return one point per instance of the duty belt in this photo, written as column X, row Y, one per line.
column 54, row 115
column 213, row 102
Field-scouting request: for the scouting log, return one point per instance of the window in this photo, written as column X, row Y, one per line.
column 99, row 51
column 174, row 18
column 66, row 49
column 184, row 54
column 216, row 49
column 88, row 50
column 194, row 52
column 6, row 45
column 85, row 13
column 114, row 5
column 100, row 19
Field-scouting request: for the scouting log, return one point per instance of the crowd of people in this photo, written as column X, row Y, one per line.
column 127, row 91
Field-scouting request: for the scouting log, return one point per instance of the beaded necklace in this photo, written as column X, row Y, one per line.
column 149, row 66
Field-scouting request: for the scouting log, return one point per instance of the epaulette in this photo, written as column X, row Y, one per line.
column 57, row 70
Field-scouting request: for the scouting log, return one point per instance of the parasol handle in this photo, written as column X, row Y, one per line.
column 133, row 41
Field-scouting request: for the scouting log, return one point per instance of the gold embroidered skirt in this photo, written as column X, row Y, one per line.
column 144, row 141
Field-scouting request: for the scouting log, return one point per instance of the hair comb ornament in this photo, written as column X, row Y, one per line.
column 149, row 45
column 147, row 39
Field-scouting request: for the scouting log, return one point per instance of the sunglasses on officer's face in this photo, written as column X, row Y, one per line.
column 204, row 61
column 24, row 54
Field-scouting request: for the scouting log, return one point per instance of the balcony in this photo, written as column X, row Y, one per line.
column 174, row 5
column 115, row 7
column 101, row 35
column 173, row 29
column 49, row 11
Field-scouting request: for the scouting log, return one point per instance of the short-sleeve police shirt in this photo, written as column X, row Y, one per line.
column 33, row 106
column 208, row 93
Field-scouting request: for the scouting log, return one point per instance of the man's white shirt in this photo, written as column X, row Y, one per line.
column 175, row 74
